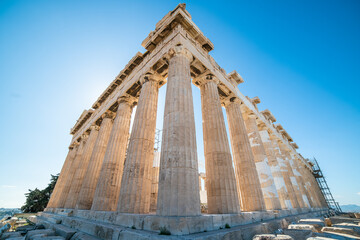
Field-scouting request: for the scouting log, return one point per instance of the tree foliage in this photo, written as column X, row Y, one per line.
column 36, row 200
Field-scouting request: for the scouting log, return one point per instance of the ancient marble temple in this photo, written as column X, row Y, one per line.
column 110, row 171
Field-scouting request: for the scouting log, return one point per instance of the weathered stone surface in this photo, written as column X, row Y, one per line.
column 341, row 230
column 82, row 167
column 108, row 187
column 8, row 235
column 302, row 227
column 275, row 168
column 91, row 178
column 352, row 226
column 64, row 231
column 249, row 188
column 44, row 232
column 178, row 193
column 55, row 196
column 136, row 181
column 220, row 181
column 272, row 237
column 271, row 197
column 83, row 236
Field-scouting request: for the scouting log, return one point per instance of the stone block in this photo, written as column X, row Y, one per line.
column 340, row 230
column 83, row 236
column 8, row 235
column 298, row 234
column 272, row 237
column 352, row 226
column 47, row 237
column 46, row 232
column 64, row 231
column 302, row 227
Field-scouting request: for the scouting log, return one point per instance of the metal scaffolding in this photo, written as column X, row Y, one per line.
column 320, row 178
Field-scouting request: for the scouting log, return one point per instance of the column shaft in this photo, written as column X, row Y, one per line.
column 299, row 178
column 71, row 174
column 55, row 196
column 178, row 193
column 295, row 183
column 292, row 200
column 82, row 167
column 136, row 181
column 269, row 191
column 87, row 190
column 249, row 188
column 220, row 182
column 275, row 170
column 108, row 186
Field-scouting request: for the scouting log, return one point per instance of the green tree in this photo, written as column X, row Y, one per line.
column 36, row 200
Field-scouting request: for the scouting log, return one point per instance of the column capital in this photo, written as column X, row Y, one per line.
column 108, row 114
column 231, row 100
column 84, row 136
column 179, row 49
column 206, row 77
column 94, row 127
column 150, row 76
column 127, row 98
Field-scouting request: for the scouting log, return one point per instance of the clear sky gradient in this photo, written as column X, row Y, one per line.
column 302, row 58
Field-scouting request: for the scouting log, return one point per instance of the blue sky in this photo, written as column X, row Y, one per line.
column 302, row 58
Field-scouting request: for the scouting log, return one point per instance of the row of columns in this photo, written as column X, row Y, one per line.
column 110, row 171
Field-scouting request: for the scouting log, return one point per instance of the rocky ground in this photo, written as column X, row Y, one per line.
column 340, row 227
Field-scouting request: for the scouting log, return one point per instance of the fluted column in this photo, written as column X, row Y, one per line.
column 154, row 182
column 69, row 179
column 92, row 173
column 309, row 186
column 275, row 168
column 220, row 181
column 299, row 178
column 295, row 195
column 269, row 191
column 249, row 188
column 108, row 186
column 82, row 167
column 136, row 180
column 294, row 180
column 291, row 200
column 318, row 191
column 304, row 185
column 178, row 193
column 55, row 196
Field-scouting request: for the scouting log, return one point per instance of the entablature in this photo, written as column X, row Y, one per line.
column 163, row 28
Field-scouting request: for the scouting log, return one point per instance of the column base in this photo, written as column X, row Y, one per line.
column 85, row 220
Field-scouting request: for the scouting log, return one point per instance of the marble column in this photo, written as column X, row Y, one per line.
column 291, row 201
column 295, row 195
column 299, row 178
column 92, row 173
column 136, row 180
column 82, row 167
column 249, row 188
column 268, row 188
column 275, row 168
column 70, row 176
column 178, row 193
column 295, row 183
column 108, row 186
column 55, row 196
column 307, row 184
column 220, row 181
column 317, row 191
